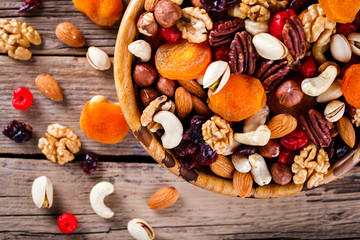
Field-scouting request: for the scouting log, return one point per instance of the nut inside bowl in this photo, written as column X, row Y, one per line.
column 127, row 95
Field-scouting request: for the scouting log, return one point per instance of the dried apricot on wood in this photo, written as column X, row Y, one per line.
column 342, row 11
column 182, row 61
column 350, row 85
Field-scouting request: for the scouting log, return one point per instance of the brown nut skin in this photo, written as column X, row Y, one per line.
column 197, row 3
column 144, row 74
column 271, row 149
column 281, row 173
column 289, row 93
column 147, row 95
column 147, row 25
column 167, row 13
column 166, row 86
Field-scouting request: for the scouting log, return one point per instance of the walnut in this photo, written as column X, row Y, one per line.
column 218, row 134
column 311, row 165
column 356, row 118
column 15, row 38
column 318, row 28
column 59, row 144
column 194, row 24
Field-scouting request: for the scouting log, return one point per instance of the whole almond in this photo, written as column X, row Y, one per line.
column 49, row 87
column 193, row 87
column 243, row 183
column 183, row 102
column 70, row 35
column 346, row 131
column 163, row 198
column 281, row 125
column 223, row 167
column 200, row 107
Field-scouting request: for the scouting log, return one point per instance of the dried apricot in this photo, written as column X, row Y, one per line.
column 350, row 85
column 103, row 121
column 342, row 11
column 241, row 97
column 182, row 61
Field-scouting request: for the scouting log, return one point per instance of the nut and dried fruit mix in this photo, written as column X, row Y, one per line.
column 269, row 84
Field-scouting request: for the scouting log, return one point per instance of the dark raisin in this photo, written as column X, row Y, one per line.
column 340, row 148
column 29, row 5
column 188, row 162
column 90, row 163
column 185, row 148
column 206, row 155
column 18, row 131
column 330, row 149
column 246, row 150
column 218, row 5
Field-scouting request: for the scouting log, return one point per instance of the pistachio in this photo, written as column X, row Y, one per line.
column 269, row 47
column 332, row 93
column 354, row 40
column 317, row 85
column 42, row 192
column 140, row 49
column 216, row 76
column 340, row 48
column 98, row 59
column 334, row 111
column 140, row 230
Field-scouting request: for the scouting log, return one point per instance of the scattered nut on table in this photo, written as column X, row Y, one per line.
column 42, row 192
column 140, row 230
column 98, row 59
column 97, row 195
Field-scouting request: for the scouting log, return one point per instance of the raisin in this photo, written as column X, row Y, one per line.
column 18, row 131
column 340, row 148
column 206, row 155
column 218, row 5
column 29, row 5
column 245, row 150
column 90, row 163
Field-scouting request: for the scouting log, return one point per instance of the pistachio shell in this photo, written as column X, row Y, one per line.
column 269, row 47
column 354, row 39
column 214, row 73
column 340, row 48
column 98, row 59
column 140, row 230
column 42, row 192
column 334, row 111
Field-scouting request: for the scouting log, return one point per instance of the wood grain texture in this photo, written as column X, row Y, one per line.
column 327, row 212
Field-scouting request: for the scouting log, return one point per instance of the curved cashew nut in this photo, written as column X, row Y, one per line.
column 241, row 163
column 318, row 53
column 254, row 121
column 332, row 93
column 260, row 137
column 317, row 85
column 97, row 195
column 172, row 127
column 259, row 169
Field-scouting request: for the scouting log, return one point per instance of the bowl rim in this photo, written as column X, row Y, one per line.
column 123, row 62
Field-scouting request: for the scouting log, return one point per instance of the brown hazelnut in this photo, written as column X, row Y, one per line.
column 144, row 74
column 281, row 173
column 166, row 86
column 289, row 93
column 148, row 95
column 147, row 25
column 271, row 149
column 167, row 13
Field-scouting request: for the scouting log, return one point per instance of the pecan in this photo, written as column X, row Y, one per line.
column 224, row 32
column 294, row 37
column 242, row 54
column 317, row 128
column 272, row 73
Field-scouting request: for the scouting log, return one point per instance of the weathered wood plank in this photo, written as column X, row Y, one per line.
column 79, row 82
column 326, row 212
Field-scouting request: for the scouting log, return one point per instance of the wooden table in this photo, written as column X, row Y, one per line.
column 331, row 211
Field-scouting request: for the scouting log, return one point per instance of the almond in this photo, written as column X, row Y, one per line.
column 200, row 107
column 70, row 35
column 243, row 183
column 281, row 125
column 49, row 87
column 223, row 167
column 163, row 198
column 193, row 87
column 346, row 131
column 183, row 102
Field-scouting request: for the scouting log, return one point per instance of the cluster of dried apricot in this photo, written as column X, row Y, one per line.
column 271, row 85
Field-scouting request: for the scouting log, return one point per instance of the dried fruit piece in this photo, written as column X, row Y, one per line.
column 29, row 5
column 286, row 156
column 309, row 69
column 22, row 98
column 342, row 11
column 346, row 28
column 218, row 5
column 20, row 132
column 350, row 85
column 67, row 223
column 278, row 21
column 299, row 5
column 163, row 198
column 90, row 163
column 172, row 34
column 295, row 140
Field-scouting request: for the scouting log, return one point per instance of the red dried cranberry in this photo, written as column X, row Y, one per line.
column 309, row 69
column 90, row 163
column 29, row 5
column 172, row 34
column 246, row 150
column 277, row 22
column 299, row 5
column 18, row 131
column 286, row 156
column 218, row 5
column 185, row 148
column 188, row 162
column 295, row 140
column 67, row 223
column 346, row 28
column 222, row 53
column 22, row 98
column 206, row 155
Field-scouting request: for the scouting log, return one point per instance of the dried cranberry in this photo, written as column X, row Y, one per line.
column 67, row 223
column 185, row 148
column 22, row 98
column 218, row 5
column 277, row 22
column 188, row 162
column 299, row 5
column 90, row 163
column 295, row 140
column 309, row 69
column 340, row 148
column 29, row 5
column 206, row 155
column 330, row 149
column 222, row 53
column 172, row 34
column 18, row 131
column 346, row 28
column 286, row 156
column 246, row 150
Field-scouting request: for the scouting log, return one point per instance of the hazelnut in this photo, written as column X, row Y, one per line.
column 166, row 86
column 281, row 173
column 289, row 94
column 271, row 149
column 147, row 24
column 167, row 13
column 147, row 95
column 144, row 74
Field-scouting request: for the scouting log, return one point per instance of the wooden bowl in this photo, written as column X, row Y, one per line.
column 127, row 97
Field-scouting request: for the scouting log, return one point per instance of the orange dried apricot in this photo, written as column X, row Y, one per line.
column 342, row 11
column 101, row 12
column 241, row 97
column 103, row 121
column 182, row 61
column 350, row 85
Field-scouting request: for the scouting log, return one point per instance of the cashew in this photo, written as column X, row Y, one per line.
column 42, row 192
column 260, row 137
column 140, row 230
column 340, row 48
column 318, row 53
column 241, row 163
column 231, row 148
column 332, row 93
column 172, row 127
column 259, row 170
column 316, row 86
column 97, row 195
column 140, row 49
column 259, row 118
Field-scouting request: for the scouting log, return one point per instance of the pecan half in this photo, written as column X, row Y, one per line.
column 317, row 128
column 242, row 54
column 294, row 37
column 272, row 73
column 224, row 32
